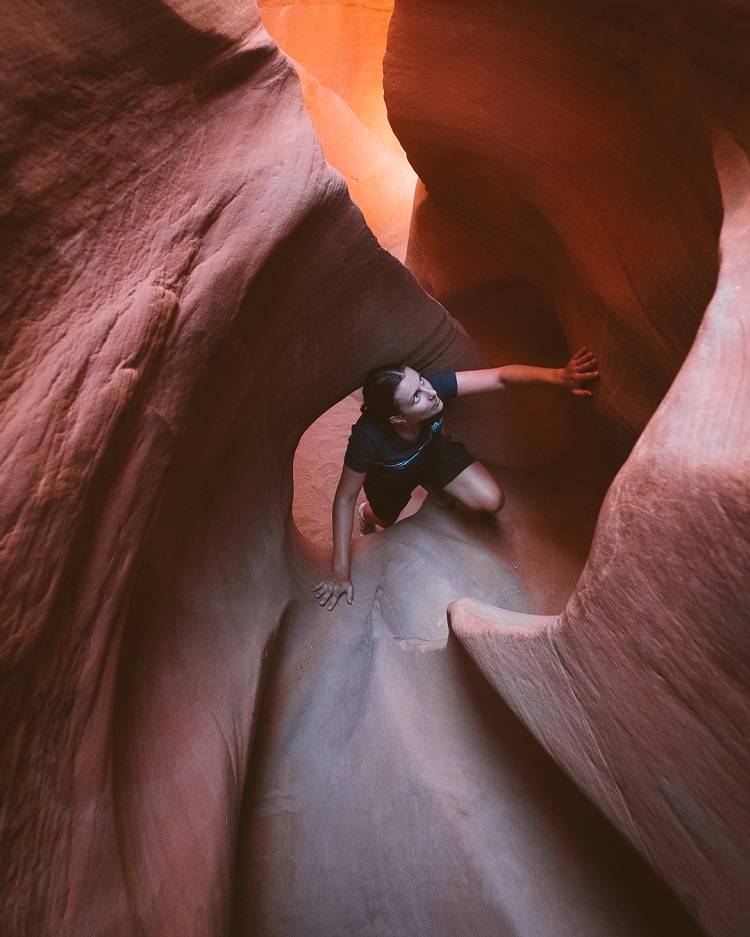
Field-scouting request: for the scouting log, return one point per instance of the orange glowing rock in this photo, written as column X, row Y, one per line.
column 337, row 49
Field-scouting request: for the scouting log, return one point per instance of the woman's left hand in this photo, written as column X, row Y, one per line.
column 580, row 368
column 330, row 590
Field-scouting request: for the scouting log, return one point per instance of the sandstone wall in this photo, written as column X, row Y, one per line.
column 639, row 689
column 188, row 745
column 337, row 49
column 181, row 269
column 565, row 150
column 576, row 168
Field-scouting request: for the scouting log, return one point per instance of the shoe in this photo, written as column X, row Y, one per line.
column 364, row 527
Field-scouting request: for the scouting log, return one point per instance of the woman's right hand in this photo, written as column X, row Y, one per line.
column 330, row 590
column 580, row 368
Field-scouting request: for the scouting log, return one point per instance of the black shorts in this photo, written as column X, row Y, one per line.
column 445, row 461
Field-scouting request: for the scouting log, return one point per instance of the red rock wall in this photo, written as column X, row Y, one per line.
column 337, row 49
column 608, row 205
column 561, row 150
column 180, row 265
column 640, row 688
column 188, row 745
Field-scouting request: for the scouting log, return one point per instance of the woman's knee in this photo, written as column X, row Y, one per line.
column 477, row 490
column 491, row 498
column 497, row 502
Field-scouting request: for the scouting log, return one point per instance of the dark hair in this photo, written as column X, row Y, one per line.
column 379, row 390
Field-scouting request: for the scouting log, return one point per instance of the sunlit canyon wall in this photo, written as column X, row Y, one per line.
column 337, row 50
column 188, row 746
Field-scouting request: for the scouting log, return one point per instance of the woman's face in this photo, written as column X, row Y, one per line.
column 416, row 398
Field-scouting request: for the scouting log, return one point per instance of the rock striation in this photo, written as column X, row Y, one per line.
column 568, row 176
column 180, row 264
column 639, row 689
column 558, row 148
column 188, row 744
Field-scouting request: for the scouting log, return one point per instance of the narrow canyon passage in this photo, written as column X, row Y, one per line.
column 392, row 794
column 524, row 725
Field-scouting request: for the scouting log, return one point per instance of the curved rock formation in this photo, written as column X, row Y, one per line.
column 188, row 743
column 640, row 688
column 557, row 151
column 562, row 151
column 180, row 264
column 337, row 49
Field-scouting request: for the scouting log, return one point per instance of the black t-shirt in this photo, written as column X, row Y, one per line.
column 377, row 447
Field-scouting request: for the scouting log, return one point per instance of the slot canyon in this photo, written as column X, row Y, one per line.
column 218, row 216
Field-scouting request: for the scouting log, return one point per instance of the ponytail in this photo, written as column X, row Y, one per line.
column 379, row 390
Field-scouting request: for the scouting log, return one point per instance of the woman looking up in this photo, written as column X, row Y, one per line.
column 398, row 444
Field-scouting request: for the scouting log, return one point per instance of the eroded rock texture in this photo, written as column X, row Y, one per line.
column 188, row 744
column 571, row 186
column 180, row 266
column 640, row 688
column 590, row 178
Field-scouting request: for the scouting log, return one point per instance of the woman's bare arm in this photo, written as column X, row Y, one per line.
column 580, row 368
column 339, row 583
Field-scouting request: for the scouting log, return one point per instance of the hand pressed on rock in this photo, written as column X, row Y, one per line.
column 580, row 368
column 330, row 590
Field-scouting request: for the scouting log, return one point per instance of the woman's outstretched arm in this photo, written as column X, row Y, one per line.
column 339, row 583
column 580, row 368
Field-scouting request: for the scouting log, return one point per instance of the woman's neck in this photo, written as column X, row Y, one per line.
column 408, row 431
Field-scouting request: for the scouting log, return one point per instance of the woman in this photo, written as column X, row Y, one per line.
column 398, row 444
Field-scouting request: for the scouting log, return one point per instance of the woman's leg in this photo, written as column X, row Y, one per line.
column 476, row 489
column 386, row 499
column 370, row 517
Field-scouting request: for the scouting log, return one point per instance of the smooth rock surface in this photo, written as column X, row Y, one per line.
column 337, row 48
column 180, row 263
column 189, row 745
column 391, row 793
column 559, row 148
column 640, row 688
